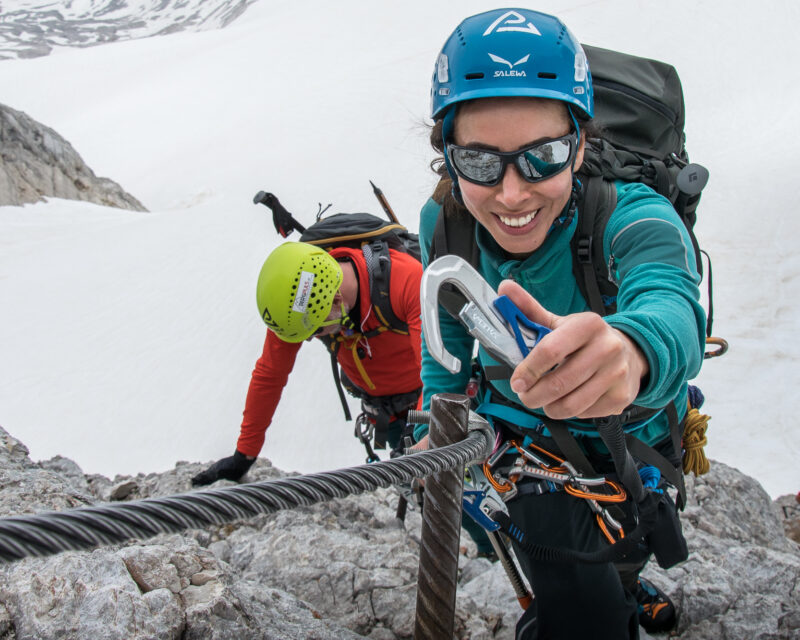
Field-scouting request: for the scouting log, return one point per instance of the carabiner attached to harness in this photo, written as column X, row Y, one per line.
column 479, row 503
column 364, row 431
column 720, row 343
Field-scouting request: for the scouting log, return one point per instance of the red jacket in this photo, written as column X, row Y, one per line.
column 391, row 364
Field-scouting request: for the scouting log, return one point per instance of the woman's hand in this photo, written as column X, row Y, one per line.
column 583, row 369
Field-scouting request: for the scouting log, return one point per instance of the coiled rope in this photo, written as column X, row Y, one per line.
column 694, row 439
column 86, row 527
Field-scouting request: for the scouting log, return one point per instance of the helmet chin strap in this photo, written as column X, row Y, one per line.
column 448, row 125
column 346, row 321
column 572, row 204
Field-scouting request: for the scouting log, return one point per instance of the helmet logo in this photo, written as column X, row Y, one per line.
column 267, row 318
column 510, row 21
column 303, row 292
column 511, row 71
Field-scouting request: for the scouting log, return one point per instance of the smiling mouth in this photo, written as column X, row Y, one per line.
column 518, row 221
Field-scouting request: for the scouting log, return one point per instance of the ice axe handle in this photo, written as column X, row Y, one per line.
column 284, row 221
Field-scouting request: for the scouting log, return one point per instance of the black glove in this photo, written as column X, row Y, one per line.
column 230, row 468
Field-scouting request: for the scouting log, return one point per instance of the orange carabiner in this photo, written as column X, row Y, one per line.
column 619, row 494
column 500, row 488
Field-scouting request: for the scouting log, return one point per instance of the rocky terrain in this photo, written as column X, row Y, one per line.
column 347, row 568
column 32, row 28
column 36, row 162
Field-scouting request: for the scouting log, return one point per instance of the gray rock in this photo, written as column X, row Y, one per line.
column 345, row 569
column 36, row 162
column 27, row 488
column 123, row 490
column 788, row 510
column 742, row 578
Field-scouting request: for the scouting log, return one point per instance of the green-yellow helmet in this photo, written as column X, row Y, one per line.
column 296, row 288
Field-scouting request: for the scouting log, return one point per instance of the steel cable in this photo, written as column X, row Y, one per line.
column 48, row 533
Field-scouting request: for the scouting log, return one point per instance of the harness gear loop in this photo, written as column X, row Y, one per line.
column 694, row 439
column 557, row 472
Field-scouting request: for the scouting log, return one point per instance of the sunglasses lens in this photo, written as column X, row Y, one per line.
column 475, row 165
column 545, row 160
column 537, row 162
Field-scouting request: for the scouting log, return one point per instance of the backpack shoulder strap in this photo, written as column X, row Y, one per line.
column 456, row 237
column 379, row 269
column 333, row 349
column 596, row 204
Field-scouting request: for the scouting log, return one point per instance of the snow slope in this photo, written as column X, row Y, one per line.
column 31, row 28
column 127, row 340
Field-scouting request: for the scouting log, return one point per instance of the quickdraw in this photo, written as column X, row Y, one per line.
column 532, row 462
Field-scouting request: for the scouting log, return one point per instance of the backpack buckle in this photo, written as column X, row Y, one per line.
column 584, row 250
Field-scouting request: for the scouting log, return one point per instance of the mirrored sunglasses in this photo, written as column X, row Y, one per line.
column 538, row 162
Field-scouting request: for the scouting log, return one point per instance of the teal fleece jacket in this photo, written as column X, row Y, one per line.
column 653, row 262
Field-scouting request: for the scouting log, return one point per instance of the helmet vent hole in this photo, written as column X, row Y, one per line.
column 546, row 75
column 473, row 76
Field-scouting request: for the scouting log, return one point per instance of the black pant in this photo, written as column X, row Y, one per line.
column 572, row 601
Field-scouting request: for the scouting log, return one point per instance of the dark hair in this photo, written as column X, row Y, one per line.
column 443, row 192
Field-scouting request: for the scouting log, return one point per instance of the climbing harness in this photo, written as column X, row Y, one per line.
column 508, row 336
column 378, row 415
column 530, row 472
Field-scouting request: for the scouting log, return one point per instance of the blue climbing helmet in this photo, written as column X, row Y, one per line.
column 512, row 52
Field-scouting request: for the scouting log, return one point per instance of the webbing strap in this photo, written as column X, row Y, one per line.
column 509, row 414
column 648, row 455
column 597, row 203
column 379, row 271
column 648, row 518
column 338, row 381
column 662, row 180
column 454, row 236
column 585, row 249
column 568, row 445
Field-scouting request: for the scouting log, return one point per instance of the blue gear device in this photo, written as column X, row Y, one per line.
column 526, row 332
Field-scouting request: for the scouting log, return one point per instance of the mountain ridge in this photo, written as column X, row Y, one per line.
column 35, row 28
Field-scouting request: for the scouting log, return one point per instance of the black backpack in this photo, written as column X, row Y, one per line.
column 374, row 236
column 640, row 109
